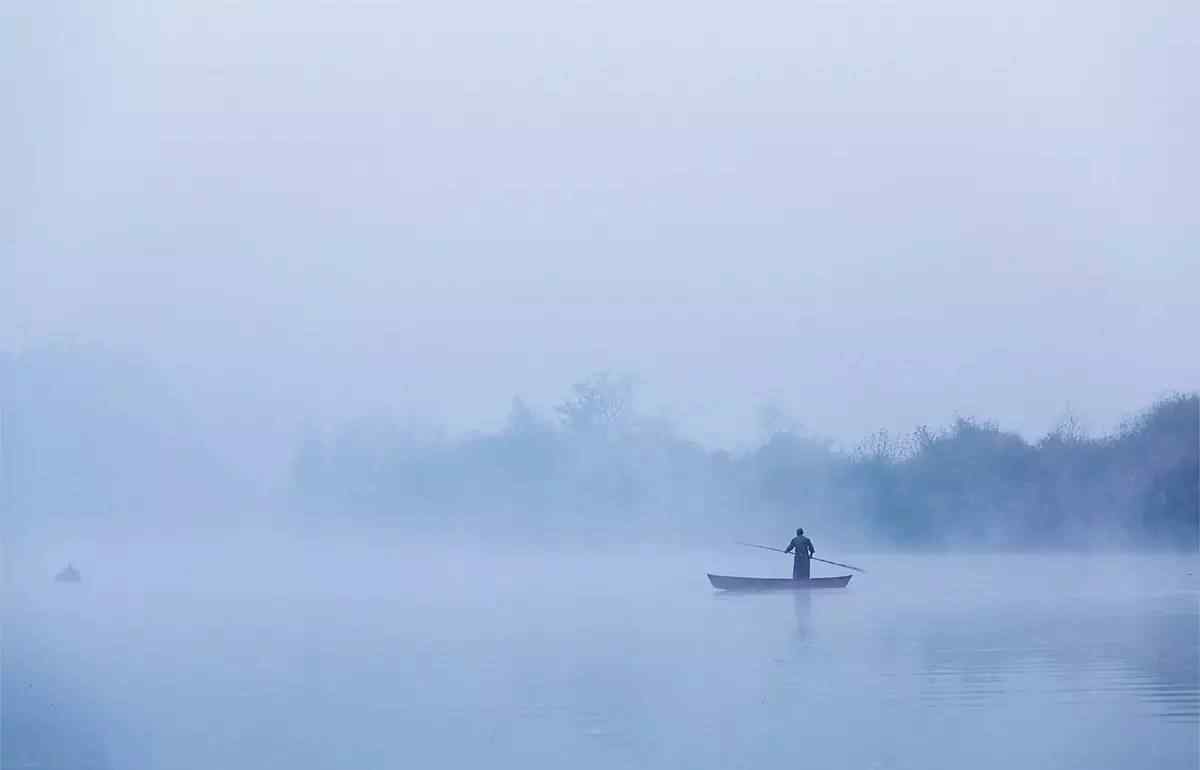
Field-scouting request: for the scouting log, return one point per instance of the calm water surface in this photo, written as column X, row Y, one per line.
column 605, row 659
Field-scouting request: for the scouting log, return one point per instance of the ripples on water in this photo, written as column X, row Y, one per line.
column 609, row 660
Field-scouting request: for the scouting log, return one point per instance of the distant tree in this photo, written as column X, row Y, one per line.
column 1068, row 431
column 522, row 420
column 879, row 447
column 774, row 419
column 601, row 403
column 528, row 454
column 1171, row 507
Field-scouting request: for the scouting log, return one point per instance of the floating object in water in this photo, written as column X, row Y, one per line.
column 730, row 583
column 68, row 575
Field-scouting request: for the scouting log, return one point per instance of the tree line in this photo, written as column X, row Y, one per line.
column 88, row 434
column 598, row 467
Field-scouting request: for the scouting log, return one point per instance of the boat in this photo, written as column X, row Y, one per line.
column 730, row 583
column 68, row 575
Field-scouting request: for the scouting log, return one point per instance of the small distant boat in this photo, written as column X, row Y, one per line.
column 68, row 575
column 729, row 583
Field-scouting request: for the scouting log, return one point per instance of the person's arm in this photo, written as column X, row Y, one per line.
column 791, row 545
column 811, row 550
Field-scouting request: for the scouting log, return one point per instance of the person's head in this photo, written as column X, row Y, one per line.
column 800, row 531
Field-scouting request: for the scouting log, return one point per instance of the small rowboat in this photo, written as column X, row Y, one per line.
column 728, row 583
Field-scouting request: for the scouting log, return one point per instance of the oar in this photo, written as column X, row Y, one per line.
column 814, row 558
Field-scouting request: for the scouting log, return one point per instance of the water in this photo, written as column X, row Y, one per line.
column 350, row 657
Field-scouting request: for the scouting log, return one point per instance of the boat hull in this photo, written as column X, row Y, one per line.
column 730, row 583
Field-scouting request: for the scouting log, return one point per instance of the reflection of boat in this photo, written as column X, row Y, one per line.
column 729, row 583
column 68, row 575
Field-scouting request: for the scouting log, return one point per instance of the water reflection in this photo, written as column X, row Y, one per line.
column 802, row 606
column 1089, row 653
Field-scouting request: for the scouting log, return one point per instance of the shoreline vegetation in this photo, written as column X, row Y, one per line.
column 970, row 483
column 89, row 435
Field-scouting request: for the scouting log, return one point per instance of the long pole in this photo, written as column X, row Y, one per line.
column 814, row 558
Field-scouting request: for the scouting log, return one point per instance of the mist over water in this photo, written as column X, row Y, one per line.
column 394, row 372
column 307, row 654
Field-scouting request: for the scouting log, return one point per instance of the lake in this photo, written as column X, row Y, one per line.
column 365, row 655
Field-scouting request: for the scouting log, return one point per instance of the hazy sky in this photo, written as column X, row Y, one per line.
column 872, row 213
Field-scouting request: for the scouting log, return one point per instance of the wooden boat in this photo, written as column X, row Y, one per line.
column 728, row 583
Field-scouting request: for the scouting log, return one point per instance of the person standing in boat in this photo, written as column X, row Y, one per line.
column 804, row 550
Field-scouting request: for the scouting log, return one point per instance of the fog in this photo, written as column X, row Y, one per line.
column 321, row 653
column 393, row 375
column 873, row 216
column 94, row 442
